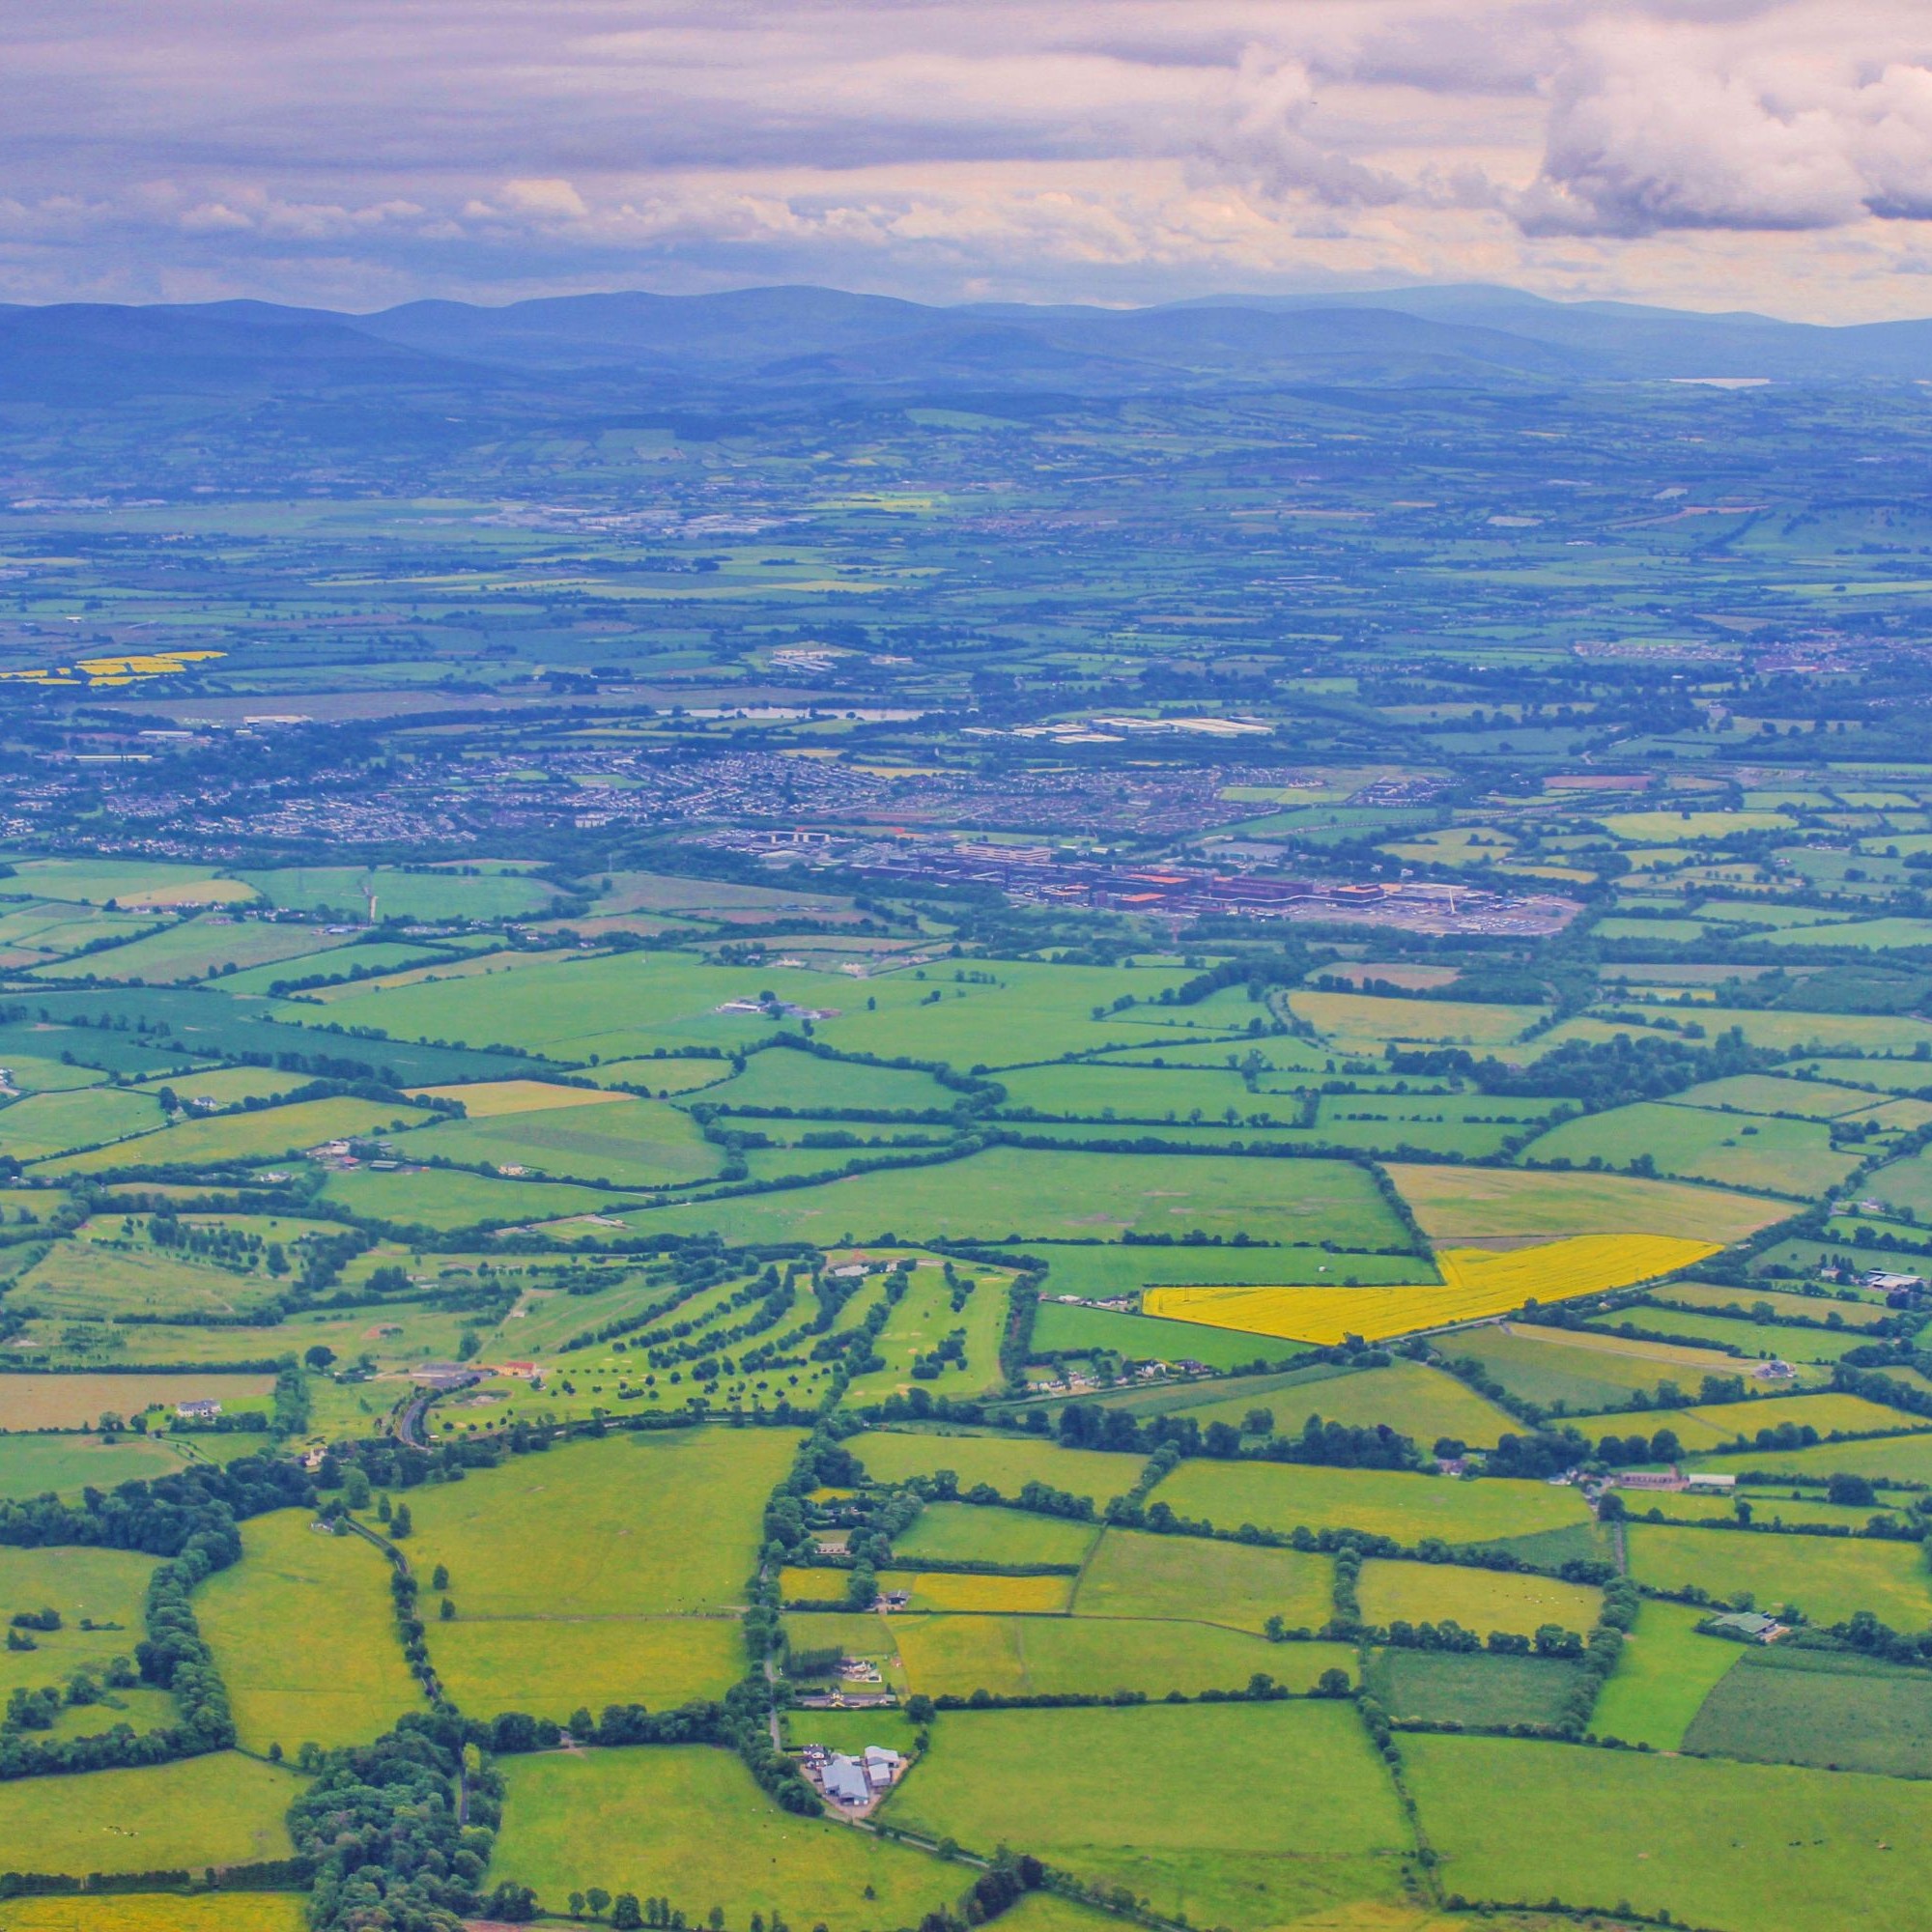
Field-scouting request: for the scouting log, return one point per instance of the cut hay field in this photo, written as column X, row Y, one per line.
column 1770, row 1093
column 305, row 1638
column 221, row 1809
column 1025, row 1194
column 1715, row 1844
column 1476, row 1284
column 1722, row 1423
column 1285, row 1496
column 1317, row 1825
column 1006, row 1462
column 106, row 1585
column 608, row 1528
column 967, row 1533
column 1829, row 1578
column 1461, row 1203
column 491, row 1100
column 1663, row 1676
column 1423, row 1403
column 1372, row 1019
column 1183, row 1579
column 1479, row 1600
column 689, row 1818
column 1039, row 1657
column 552, row 1665
column 30, row 1401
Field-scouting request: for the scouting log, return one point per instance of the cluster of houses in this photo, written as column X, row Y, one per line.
column 853, row 1783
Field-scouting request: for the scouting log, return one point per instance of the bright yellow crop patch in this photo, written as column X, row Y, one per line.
column 1475, row 1283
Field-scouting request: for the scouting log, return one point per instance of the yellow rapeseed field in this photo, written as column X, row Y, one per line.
column 1475, row 1283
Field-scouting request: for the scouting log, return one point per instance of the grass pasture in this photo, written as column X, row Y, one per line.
column 605, row 1528
column 551, row 1666
column 1029, row 1194
column 615, row 1139
column 1315, row 1828
column 108, row 1586
column 1518, row 1601
column 1837, row 1711
column 1663, row 1676
column 1006, row 1462
column 269, row 1134
column 35, row 1466
column 1906, row 1459
column 1471, row 1688
column 1828, row 1579
column 1414, row 1399
column 1760, row 1338
column 967, row 1533
column 1783, row 1155
column 1715, row 1844
column 1184, row 1580
column 305, row 1638
column 689, row 1817
column 47, row 1124
column 1580, row 1371
column 1284, row 1496
column 1039, row 1657
column 221, row 1809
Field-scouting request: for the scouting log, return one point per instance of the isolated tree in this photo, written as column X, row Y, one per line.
column 598, row 1898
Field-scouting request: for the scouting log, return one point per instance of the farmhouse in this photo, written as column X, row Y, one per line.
column 197, row 1412
column 844, row 1780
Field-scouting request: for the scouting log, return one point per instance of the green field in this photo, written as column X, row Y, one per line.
column 967, row 1533
column 1101, row 1270
column 1580, row 1371
column 1784, row 1156
column 803, row 1082
column 1014, row 1657
column 605, row 1528
column 1007, row 1462
column 1286, row 1497
column 688, row 1819
column 222, row 1810
column 1316, row 1826
column 551, row 1666
column 1482, row 1600
column 1474, row 1688
column 51, row 1123
column 305, row 1638
column 1412, row 1398
column 272, row 1133
column 1025, row 1194
column 1715, row 1844
column 1839, row 1712
column 1828, row 1579
column 1906, row 1459
column 444, row 1200
column 627, row 1143
column 104, row 1585
column 442, row 893
column 1663, row 1676
column 1759, row 1338
column 32, row 1465
column 197, row 948
column 1183, row 1579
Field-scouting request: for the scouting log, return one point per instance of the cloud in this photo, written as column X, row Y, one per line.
column 1122, row 149
column 1663, row 126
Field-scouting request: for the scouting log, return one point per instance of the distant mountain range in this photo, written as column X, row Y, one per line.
column 777, row 340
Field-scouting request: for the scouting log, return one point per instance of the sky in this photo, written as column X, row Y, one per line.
column 353, row 154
